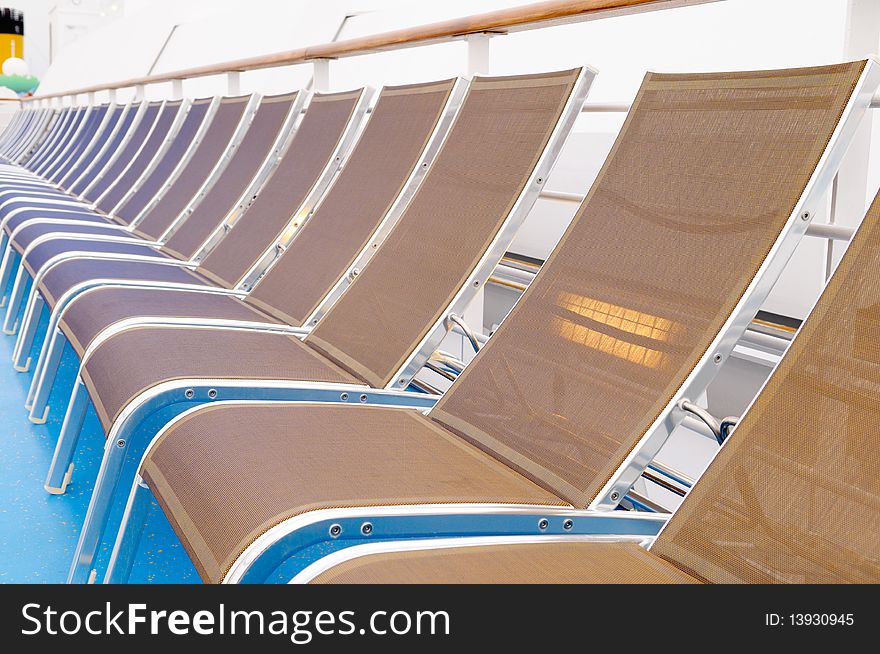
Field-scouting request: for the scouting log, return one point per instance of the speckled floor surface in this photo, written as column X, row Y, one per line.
column 38, row 531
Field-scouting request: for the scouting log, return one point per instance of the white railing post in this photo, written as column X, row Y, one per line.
column 111, row 96
column 139, row 92
column 177, row 89
column 233, row 83
column 478, row 53
column 321, row 75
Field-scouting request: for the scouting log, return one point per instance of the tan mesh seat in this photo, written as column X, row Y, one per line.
column 612, row 325
column 532, row 563
column 67, row 274
column 61, row 244
column 270, row 464
column 182, row 353
column 793, row 496
column 93, row 312
column 479, row 150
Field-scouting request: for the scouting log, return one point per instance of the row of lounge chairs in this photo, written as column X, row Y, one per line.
column 251, row 285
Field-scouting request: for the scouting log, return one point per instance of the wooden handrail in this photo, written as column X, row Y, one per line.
column 515, row 19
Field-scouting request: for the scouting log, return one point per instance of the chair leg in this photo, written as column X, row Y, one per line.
column 129, row 536
column 81, row 570
column 44, row 378
column 61, row 469
column 9, row 264
column 10, row 323
column 21, row 354
column 53, row 332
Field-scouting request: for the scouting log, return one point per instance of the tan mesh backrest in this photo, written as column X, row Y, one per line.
column 144, row 157
column 152, row 185
column 386, row 153
column 498, row 136
column 196, row 171
column 702, row 178
column 279, row 200
column 794, row 495
column 235, row 178
column 62, row 121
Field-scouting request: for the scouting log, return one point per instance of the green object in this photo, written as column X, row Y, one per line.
column 20, row 83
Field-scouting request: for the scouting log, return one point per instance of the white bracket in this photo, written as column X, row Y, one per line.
column 478, row 53
column 233, row 83
column 321, row 75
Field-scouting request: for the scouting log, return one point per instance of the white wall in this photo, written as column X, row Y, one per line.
column 164, row 35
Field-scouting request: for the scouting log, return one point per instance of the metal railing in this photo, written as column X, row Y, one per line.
column 475, row 30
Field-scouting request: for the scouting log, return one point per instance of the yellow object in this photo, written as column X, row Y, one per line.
column 11, row 45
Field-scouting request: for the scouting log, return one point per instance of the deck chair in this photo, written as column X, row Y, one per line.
column 792, row 496
column 56, row 146
column 175, row 120
column 153, row 172
column 155, row 132
column 45, row 148
column 159, row 165
column 125, row 167
column 229, row 255
column 38, row 130
column 118, row 144
column 95, row 147
column 89, row 145
column 548, row 428
column 15, row 132
column 30, row 142
column 77, row 142
column 174, row 131
column 361, row 206
column 122, row 117
column 96, row 130
column 83, row 141
column 192, row 168
column 487, row 176
column 16, row 129
column 34, row 124
column 16, row 181
column 212, row 128
column 82, row 144
column 32, row 127
column 135, row 123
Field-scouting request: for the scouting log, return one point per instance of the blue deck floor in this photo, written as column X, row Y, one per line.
column 38, row 531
